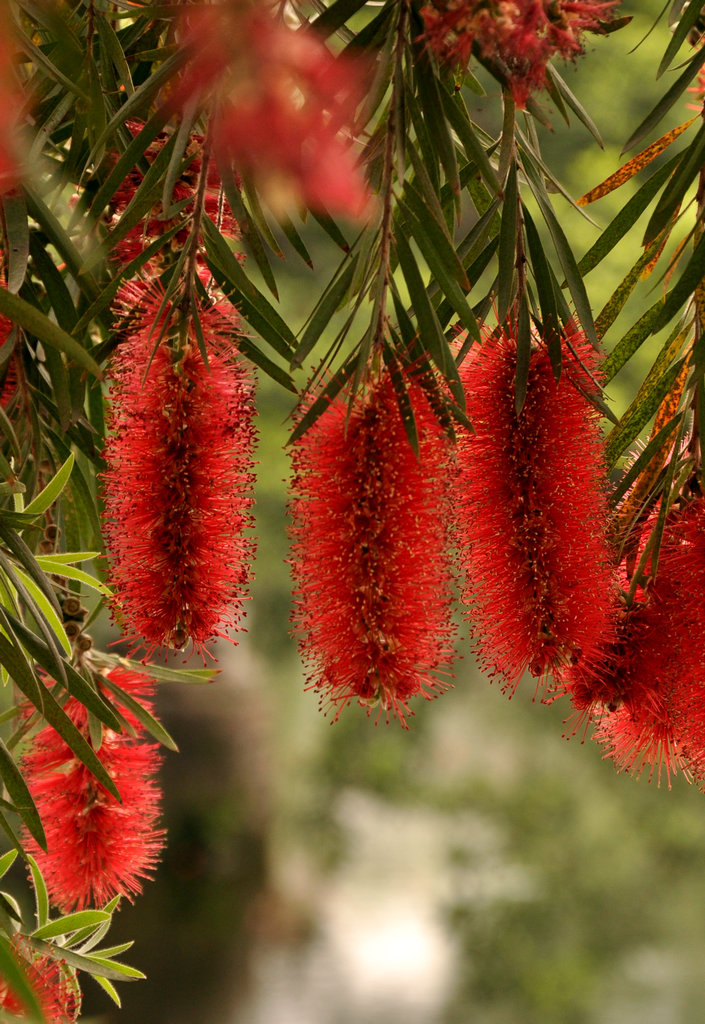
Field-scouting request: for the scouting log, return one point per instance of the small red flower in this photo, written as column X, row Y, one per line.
column 285, row 105
column 369, row 553
column 54, row 984
column 532, row 512
column 523, row 35
column 178, row 483
column 97, row 846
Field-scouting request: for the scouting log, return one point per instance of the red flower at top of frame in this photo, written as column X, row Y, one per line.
column 178, row 483
column 532, row 511
column 97, row 846
column 522, row 34
column 285, row 109
column 370, row 552
column 54, row 985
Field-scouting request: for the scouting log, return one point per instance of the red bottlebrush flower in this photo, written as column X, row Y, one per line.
column 97, row 846
column 532, row 512
column 179, row 478
column 286, row 106
column 656, row 716
column 53, row 982
column 369, row 553
column 154, row 225
column 523, row 35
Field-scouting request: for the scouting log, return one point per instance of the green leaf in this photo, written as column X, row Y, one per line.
column 333, row 17
column 46, row 498
column 667, row 100
column 14, row 215
column 54, row 621
column 468, row 133
column 139, row 102
column 635, row 468
column 631, row 341
column 684, row 287
column 430, row 332
column 34, row 321
column 245, row 296
column 638, row 414
column 111, row 44
column 626, row 218
column 6, row 862
column 20, row 795
column 47, row 563
column 507, row 255
column 163, row 674
column 688, row 17
column 59, row 237
column 442, row 262
column 571, row 101
column 547, row 294
column 108, row 987
column 150, row 723
column 563, row 251
column 523, row 355
column 70, row 923
column 327, row 305
column 272, row 369
column 686, row 172
column 406, row 409
column 74, row 682
column 40, row 892
column 430, row 92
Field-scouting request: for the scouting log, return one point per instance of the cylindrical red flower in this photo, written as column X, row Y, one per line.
column 178, row 483
column 97, row 846
column 370, row 562
column 532, row 512
column 657, row 716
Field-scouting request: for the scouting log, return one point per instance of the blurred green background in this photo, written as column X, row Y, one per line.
column 476, row 868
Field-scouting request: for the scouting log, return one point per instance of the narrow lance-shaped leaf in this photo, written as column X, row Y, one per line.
column 633, row 166
column 34, row 321
column 20, row 795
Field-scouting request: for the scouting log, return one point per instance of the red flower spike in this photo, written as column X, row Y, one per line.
column 97, row 846
column 532, row 513
column 285, row 108
column 661, row 721
column 369, row 554
column 54, row 984
column 522, row 34
column 178, row 483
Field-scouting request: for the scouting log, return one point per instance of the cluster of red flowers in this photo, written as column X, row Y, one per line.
column 284, row 106
column 53, row 982
column 370, row 559
column 179, row 474
column 521, row 36
column 97, row 846
column 155, row 223
column 532, row 512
